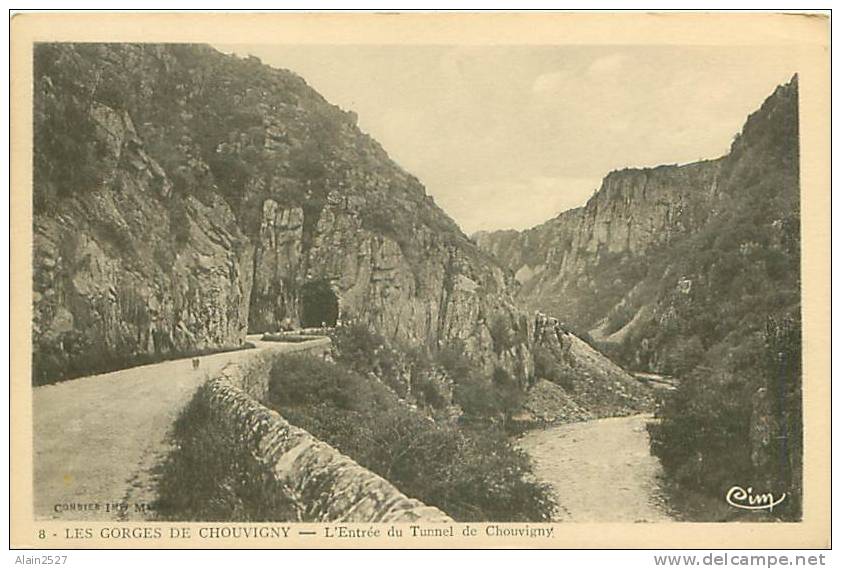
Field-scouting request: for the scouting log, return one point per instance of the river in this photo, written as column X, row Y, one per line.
column 600, row 470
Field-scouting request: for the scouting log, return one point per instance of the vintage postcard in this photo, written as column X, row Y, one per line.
column 415, row 280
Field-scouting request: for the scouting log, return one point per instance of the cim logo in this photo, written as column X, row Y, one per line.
column 743, row 499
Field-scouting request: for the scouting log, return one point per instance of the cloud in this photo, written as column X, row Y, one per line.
column 515, row 203
column 498, row 134
column 607, row 65
column 549, row 82
column 601, row 69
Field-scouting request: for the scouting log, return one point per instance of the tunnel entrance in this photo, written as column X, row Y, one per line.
column 319, row 305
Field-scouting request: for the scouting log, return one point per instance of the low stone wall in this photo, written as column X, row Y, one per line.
column 322, row 484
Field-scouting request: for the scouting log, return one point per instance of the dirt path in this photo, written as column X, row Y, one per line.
column 601, row 470
column 97, row 438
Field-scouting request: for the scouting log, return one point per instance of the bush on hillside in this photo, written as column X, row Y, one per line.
column 367, row 352
column 739, row 423
column 209, row 477
column 471, row 474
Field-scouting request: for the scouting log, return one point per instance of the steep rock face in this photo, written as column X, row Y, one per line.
column 638, row 209
column 114, row 276
column 635, row 210
column 434, row 294
column 183, row 197
column 665, row 264
column 276, row 261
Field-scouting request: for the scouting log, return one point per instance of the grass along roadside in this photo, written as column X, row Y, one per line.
column 472, row 474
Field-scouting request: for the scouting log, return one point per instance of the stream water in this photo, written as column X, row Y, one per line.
column 601, row 470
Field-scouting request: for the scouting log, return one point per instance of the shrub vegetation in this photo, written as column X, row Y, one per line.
column 472, row 474
column 210, row 478
column 738, row 424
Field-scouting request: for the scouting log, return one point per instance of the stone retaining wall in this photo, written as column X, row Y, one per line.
column 322, row 484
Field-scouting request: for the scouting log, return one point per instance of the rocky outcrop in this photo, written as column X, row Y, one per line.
column 418, row 291
column 775, row 430
column 547, row 403
column 125, row 268
column 312, row 480
column 634, row 211
column 276, row 263
column 656, row 266
column 183, row 197
column 585, row 383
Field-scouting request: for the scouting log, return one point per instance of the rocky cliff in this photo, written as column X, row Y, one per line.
column 575, row 382
column 663, row 266
column 183, row 197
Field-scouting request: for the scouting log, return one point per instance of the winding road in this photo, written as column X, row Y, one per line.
column 97, row 439
column 600, row 471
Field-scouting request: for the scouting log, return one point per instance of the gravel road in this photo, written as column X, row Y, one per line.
column 97, row 439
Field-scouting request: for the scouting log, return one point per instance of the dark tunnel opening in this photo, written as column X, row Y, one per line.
column 319, row 305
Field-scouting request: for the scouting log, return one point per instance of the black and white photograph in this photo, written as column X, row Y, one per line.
column 418, row 285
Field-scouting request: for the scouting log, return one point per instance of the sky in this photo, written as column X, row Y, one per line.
column 510, row 136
